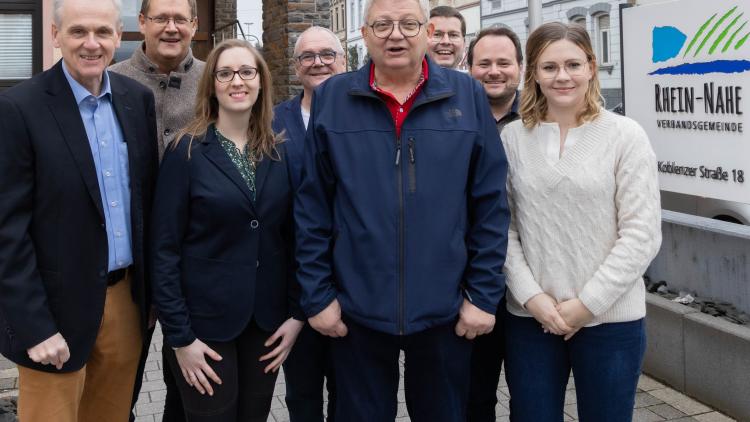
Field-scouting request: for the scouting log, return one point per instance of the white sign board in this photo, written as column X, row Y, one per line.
column 687, row 82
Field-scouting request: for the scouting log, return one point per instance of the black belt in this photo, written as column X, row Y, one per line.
column 113, row 277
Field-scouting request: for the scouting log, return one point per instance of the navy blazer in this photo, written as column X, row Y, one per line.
column 53, row 242
column 220, row 260
column 287, row 117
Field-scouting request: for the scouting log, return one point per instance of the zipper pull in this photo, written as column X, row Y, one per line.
column 398, row 152
column 411, row 151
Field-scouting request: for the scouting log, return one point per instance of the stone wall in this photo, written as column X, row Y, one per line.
column 225, row 11
column 283, row 21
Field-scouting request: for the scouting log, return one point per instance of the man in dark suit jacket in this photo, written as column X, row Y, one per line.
column 318, row 56
column 78, row 159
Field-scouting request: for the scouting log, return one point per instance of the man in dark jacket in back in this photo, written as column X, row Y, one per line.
column 318, row 55
column 401, row 222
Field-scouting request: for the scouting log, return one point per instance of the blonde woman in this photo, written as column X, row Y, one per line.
column 585, row 224
column 223, row 273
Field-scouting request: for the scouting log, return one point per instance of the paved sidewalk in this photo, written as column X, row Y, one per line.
column 654, row 401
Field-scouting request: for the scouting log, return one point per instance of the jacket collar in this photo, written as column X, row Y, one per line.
column 216, row 154
column 436, row 86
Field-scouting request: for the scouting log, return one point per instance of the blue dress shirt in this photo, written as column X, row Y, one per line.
column 110, row 153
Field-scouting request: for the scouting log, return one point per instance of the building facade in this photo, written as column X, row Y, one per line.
column 601, row 18
column 338, row 20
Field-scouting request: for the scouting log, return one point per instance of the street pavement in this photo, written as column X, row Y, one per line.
column 653, row 402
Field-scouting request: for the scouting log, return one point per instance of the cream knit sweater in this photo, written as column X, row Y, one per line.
column 586, row 227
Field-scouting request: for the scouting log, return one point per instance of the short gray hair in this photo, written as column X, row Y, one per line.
column 334, row 38
column 423, row 5
column 58, row 4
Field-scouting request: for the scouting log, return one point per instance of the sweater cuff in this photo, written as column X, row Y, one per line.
column 594, row 298
column 522, row 292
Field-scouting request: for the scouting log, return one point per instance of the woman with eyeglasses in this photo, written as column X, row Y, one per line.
column 584, row 199
column 222, row 245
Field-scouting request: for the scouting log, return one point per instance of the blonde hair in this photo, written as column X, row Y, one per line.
column 533, row 108
column 261, row 138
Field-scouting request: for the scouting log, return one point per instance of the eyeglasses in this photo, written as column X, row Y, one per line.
column 407, row 27
column 437, row 36
column 308, row 59
column 572, row 68
column 164, row 20
column 227, row 75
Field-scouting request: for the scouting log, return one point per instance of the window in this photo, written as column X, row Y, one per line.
column 579, row 20
column 351, row 17
column 496, row 4
column 20, row 40
column 16, row 61
column 603, row 38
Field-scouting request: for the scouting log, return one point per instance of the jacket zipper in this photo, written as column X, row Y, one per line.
column 412, row 182
column 412, row 166
column 399, row 180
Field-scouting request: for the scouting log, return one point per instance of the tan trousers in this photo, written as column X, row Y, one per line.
column 102, row 390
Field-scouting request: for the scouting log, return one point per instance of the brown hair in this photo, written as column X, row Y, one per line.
column 533, row 108
column 497, row 32
column 261, row 137
column 192, row 3
column 449, row 12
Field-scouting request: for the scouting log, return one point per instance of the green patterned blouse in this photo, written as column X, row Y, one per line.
column 241, row 160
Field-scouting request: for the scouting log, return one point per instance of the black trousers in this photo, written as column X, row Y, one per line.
column 172, row 405
column 436, row 374
column 486, row 364
column 246, row 391
column 307, row 366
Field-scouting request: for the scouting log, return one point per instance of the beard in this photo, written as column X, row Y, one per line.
column 504, row 97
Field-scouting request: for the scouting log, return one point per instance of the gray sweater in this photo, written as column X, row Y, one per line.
column 174, row 92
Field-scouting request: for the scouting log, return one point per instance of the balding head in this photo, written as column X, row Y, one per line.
column 335, row 43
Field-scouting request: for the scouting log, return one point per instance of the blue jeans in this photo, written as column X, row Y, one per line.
column 605, row 359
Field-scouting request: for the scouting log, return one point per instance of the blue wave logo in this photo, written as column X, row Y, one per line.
column 714, row 37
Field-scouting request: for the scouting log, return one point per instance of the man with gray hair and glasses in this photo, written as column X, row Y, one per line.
column 318, row 55
column 402, row 222
column 79, row 160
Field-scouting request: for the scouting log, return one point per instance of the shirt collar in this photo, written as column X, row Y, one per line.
column 80, row 92
column 422, row 78
column 142, row 61
column 513, row 108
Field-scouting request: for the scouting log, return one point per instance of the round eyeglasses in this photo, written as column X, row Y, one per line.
column 572, row 68
column 227, row 75
column 407, row 27
column 308, row 59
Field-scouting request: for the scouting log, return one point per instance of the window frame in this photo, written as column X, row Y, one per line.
column 600, row 44
column 25, row 7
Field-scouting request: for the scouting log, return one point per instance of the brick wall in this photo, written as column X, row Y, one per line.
column 283, row 21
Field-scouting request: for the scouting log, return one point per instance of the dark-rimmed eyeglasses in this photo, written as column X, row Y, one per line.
column 308, row 59
column 227, row 75
column 164, row 20
column 408, row 27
